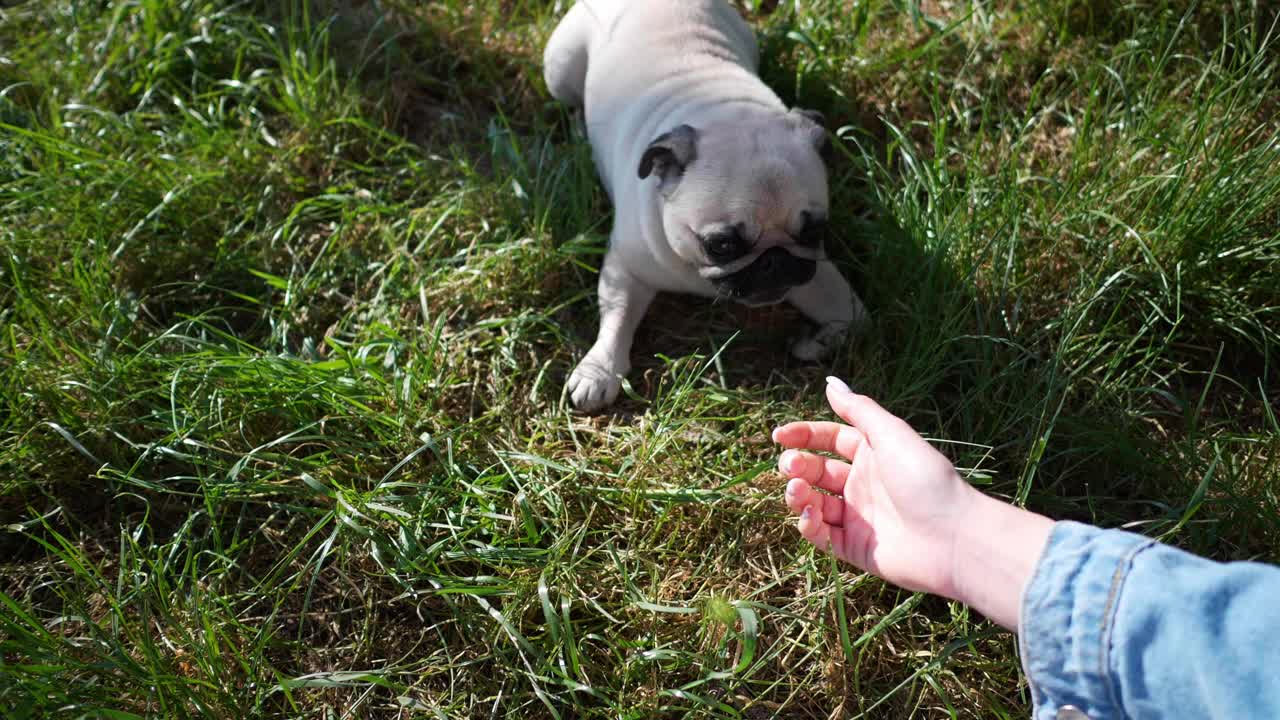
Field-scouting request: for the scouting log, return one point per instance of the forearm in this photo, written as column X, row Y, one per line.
column 994, row 556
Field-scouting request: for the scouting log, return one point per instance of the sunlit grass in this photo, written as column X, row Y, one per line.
column 289, row 293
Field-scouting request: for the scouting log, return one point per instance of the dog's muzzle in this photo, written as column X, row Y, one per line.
column 768, row 279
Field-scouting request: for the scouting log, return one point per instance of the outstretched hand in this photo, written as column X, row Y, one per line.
column 898, row 509
column 893, row 509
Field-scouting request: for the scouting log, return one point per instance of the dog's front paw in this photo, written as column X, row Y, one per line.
column 594, row 384
column 818, row 345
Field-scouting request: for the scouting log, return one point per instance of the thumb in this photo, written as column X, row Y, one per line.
column 864, row 413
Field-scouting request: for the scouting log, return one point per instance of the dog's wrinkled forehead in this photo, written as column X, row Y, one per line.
column 762, row 174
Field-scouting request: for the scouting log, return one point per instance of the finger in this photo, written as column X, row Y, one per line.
column 852, row 541
column 817, row 531
column 821, row 436
column 865, row 414
column 827, row 473
column 800, row 495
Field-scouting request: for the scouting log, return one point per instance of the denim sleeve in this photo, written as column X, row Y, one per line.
column 1121, row 626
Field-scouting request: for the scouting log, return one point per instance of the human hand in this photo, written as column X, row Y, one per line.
column 893, row 510
column 898, row 509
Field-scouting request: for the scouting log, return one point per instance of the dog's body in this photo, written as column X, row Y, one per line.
column 718, row 189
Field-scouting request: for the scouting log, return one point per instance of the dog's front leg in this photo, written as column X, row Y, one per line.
column 828, row 300
column 623, row 299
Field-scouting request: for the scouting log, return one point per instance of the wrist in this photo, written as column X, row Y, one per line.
column 994, row 554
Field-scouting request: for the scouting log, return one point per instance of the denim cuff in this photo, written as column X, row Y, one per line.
column 1067, row 618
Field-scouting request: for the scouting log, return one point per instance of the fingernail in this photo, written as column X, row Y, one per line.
column 790, row 490
column 789, row 463
column 838, row 384
column 774, row 435
column 804, row 515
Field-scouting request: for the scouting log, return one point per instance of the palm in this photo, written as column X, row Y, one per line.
column 897, row 533
column 888, row 510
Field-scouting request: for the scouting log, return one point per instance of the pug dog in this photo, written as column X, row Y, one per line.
column 718, row 188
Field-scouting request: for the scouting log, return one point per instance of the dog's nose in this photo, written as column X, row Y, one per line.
column 774, row 238
column 773, row 261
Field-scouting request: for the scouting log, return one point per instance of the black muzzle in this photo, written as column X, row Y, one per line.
column 768, row 278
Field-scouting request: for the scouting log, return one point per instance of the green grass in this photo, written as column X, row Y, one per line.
column 289, row 294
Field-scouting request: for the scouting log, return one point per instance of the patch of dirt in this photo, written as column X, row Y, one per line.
column 677, row 325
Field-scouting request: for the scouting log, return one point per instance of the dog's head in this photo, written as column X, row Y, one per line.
column 744, row 203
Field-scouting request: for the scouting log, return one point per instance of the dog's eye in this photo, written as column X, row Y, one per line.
column 812, row 233
column 724, row 245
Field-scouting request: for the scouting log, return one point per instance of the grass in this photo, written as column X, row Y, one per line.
column 289, row 294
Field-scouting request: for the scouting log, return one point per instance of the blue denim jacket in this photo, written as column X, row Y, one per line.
column 1122, row 627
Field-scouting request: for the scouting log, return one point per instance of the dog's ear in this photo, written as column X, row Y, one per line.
column 813, row 124
column 668, row 155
